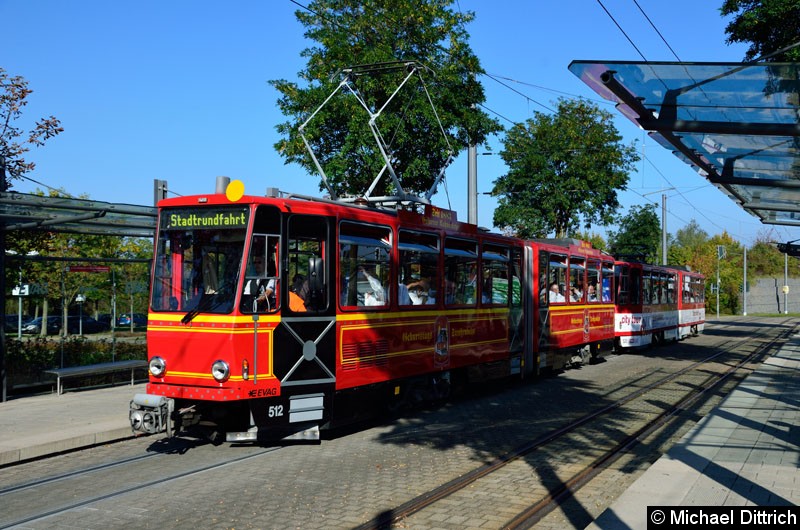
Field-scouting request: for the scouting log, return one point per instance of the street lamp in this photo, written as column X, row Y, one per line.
column 80, row 299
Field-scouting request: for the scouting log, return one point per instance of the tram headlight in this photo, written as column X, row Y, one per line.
column 158, row 366
column 221, row 371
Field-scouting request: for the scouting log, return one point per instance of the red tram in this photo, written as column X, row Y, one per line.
column 275, row 316
column 656, row 303
column 575, row 303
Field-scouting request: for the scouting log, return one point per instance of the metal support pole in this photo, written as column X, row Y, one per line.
column 19, row 307
column 663, row 228
column 718, row 282
column 472, row 184
column 785, row 284
column 3, row 289
column 113, row 315
column 744, row 285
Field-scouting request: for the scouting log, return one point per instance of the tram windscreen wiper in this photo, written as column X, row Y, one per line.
column 206, row 302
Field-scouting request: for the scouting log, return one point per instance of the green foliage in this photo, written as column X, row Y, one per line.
column 688, row 245
column 768, row 25
column 639, row 235
column 26, row 359
column 348, row 33
column 730, row 273
column 564, row 172
column 763, row 259
column 691, row 235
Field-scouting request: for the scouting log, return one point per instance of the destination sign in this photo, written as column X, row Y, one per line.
column 217, row 218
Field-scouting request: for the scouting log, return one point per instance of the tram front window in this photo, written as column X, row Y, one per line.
column 198, row 256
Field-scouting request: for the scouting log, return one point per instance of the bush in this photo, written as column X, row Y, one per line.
column 27, row 359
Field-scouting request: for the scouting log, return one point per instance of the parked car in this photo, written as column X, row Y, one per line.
column 89, row 325
column 12, row 322
column 35, row 325
column 139, row 320
column 105, row 319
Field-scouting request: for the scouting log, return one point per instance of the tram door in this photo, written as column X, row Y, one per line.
column 526, row 325
column 543, row 324
column 304, row 342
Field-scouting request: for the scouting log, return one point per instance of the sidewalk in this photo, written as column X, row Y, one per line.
column 35, row 426
column 744, row 453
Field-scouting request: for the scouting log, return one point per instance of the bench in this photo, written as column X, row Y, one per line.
column 95, row 369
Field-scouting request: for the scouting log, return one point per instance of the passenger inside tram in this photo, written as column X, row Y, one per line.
column 297, row 294
column 555, row 293
column 420, row 292
column 375, row 294
column 591, row 293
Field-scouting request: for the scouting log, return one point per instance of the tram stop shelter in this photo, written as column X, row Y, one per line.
column 737, row 124
column 20, row 211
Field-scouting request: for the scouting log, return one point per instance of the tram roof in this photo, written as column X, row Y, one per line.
column 737, row 124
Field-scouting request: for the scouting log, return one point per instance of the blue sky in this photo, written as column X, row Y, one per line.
column 179, row 91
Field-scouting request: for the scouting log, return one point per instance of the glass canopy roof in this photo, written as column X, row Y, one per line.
column 20, row 211
column 738, row 124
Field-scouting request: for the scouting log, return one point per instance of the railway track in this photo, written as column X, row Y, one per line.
column 50, row 501
column 676, row 393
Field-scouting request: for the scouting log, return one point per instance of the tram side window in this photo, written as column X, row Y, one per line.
column 305, row 266
column 686, row 290
column 418, row 278
column 660, row 288
column 593, row 287
column 647, row 288
column 301, row 251
column 577, row 279
column 670, row 283
column 698, row 289
column 364, row 264
column 557, row 279
column 607, row 271
column 494, row 275
column 261, row 284
column 544, row 259
column 461, row 272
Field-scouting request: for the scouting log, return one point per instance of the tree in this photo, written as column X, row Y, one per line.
column 382, row 32
column 639, row 235
column 730, row 272
column 13, row 97
column 768, row 25
column 564, row 171
column 687, row 246
column 764, row 259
